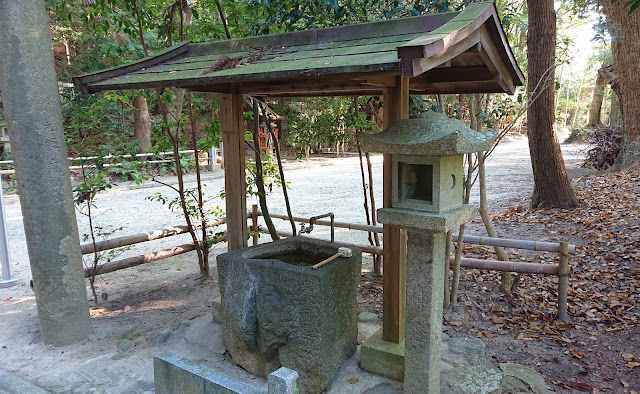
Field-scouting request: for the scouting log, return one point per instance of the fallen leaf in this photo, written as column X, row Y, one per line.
column 497, row 320
column 627, row 356
column 581, row 386
column 576, row 353
column 353, row 380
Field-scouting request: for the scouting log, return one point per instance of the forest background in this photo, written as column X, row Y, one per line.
column 90, row 35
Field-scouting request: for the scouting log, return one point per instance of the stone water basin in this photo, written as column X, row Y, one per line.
column 276, row 311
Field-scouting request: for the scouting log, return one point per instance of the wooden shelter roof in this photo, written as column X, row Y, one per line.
column 455, row 52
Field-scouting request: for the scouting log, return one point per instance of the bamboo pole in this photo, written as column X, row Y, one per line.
column 254, row 223
column 325, row 261
column 262, row 194
column 377, row 266
column 364, row 190
column 505, row 284
column 140, row 237
column 144, row 258
column 563, row 281
column 497, row 265
column 364, row 248
column 139, row 260
column 540, row 246
column 323, row 222
column 276, row 142
column 455, row 281
column 447, row 253
column 515, row 243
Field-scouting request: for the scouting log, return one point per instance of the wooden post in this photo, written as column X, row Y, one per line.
column 232, row 126
column 396, row 107
column 254, row 223
column 563, row 281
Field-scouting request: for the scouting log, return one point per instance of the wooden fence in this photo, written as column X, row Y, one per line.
column 562, row 248
column 113, row 160
column 561, row 269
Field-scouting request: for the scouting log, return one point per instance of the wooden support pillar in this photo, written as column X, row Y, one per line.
column 396, row 107
column 232, row 125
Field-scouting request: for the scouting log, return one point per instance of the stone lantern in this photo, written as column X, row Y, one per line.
column 427, row 188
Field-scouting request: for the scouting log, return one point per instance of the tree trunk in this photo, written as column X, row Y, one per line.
column 596, row 102
column 30, row 98
column 142, row 123
column 174, row 109
column 625, row 32
column 611, row 78
column 551, row 183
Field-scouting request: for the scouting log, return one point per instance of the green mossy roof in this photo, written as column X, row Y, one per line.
column 352, row 49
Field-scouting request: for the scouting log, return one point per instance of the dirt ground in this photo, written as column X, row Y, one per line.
column 598, row 350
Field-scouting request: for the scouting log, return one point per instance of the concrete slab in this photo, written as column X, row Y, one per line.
column 176, row 374
column 383, row 358
column 101, row 375
column 351, row 379
column 206, row 336
column 366, row 330
column 12, row 384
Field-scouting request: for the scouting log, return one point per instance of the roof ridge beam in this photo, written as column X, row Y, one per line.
column 383, row 28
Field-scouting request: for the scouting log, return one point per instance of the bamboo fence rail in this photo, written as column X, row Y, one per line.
column 562, row 269
column 108, row 157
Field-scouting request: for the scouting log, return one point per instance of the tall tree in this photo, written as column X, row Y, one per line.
column 624, row 27
column 596, row 102
column 142, row 123
column 551, row 183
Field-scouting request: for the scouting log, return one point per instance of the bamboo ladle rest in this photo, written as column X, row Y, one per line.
column 342, row 252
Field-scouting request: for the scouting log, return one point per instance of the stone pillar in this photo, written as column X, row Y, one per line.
column 32, row 109
column 423, row 341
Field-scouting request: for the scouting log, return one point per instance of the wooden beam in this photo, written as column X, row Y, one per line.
column 415, row 67
column 458, row 87
column 328, row 93
column 432, row 78
column 387, row 81
column 396, row 107
column 319, row 89
column 232, row 125
column 492, row 59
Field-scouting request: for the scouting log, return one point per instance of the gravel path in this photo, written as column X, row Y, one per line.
column 316, row 187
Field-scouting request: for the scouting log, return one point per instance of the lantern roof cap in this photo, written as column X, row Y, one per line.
column 428, row 134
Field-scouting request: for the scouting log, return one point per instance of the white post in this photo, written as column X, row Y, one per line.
column 5, row 258
column 212, row 158
column 222, row 153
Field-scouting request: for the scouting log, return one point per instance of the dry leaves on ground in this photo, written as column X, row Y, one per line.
column 603, row 288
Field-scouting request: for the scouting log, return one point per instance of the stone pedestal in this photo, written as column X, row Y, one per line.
column 426, row 261
column 425, row 278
